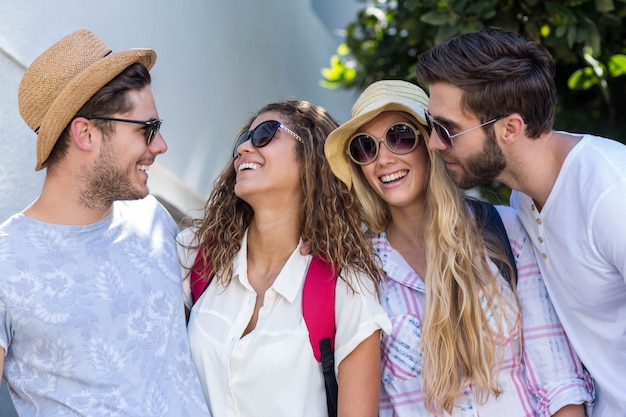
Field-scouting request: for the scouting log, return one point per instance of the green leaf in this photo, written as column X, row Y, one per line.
column 571, row 36
column 556, row 9
column 349, row 74
column 330, row 74
column 588, row 32
column 445, row 32
column 560, row 31
column 343, row 49
column 435, row 18
column 582, row 79
column 617, row 65
column 605, row 6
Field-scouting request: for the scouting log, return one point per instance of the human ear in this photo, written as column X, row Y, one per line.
column 514, row 127
column 81, row 130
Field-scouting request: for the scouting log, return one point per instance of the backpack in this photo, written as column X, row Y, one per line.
column 490, row 223
column 318, row 310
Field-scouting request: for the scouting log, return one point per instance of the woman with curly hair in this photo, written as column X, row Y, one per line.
column 248, row 338
column 462, row 343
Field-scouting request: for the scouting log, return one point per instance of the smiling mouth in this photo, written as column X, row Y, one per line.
column 248, row 166
column 386, row 179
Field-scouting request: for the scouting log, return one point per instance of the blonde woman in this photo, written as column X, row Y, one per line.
column 462, row 343
column 248, row 339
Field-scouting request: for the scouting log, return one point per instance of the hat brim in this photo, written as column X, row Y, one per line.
column 337, row 142
column 79, row 90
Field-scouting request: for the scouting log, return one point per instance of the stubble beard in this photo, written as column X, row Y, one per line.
column 482, row 168
column 106, row 183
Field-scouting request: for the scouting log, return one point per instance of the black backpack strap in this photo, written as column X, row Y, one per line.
column 494, row 233
column 328, row 369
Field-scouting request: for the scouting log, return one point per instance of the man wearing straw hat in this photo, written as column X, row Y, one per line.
column 92, row 321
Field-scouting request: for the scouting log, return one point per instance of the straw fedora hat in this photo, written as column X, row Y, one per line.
column 63, row 78
column 381, row 96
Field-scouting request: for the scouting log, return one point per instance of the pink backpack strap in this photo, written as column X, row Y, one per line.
column 318, row 309
column 318, row 304
column 199, row 282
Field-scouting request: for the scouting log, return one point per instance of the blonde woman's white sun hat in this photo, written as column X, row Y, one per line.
column 379, row 97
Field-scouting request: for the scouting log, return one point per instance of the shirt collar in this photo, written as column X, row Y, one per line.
column 290, row 279
column 395, row 266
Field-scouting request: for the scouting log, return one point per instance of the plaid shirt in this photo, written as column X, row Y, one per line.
column 539, row 374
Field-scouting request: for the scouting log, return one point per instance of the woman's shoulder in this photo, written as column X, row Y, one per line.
column 186, row 236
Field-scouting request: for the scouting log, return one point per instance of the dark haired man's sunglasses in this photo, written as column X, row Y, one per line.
column 151, row 126
column 263, row 134
column 400, row 138
column 443, row 133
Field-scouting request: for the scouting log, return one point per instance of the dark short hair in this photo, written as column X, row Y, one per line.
column 500, row 73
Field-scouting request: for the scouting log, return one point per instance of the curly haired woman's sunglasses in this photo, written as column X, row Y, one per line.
column 263, row 134
column 400, row 138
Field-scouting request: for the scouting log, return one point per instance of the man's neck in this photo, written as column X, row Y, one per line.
column 535, row 165
column 60, row 204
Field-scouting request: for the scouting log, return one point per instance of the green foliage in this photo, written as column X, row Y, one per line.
column 587, row 39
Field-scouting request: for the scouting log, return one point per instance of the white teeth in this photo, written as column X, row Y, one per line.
column 248, row 165
column 394, row 176
column 143, row 167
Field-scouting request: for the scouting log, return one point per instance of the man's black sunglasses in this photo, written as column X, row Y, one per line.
column 151, row 126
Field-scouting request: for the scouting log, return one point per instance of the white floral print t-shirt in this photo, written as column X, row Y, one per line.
column 92, row 317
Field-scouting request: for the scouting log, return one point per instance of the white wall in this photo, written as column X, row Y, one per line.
column 218, row 62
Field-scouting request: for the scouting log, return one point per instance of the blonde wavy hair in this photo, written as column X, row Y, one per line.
column 459, row 347
column 330, row 218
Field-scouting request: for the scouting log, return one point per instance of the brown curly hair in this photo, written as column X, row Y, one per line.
column 330, row 218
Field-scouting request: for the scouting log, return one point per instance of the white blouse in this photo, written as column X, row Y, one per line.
column 271, row 371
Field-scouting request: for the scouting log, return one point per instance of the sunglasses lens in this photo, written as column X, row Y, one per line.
column 363, row 149
column 260, row 135
column 401, row 139
column 264, row 133
column 440, row 130
column 152, row 130
column 241, row 139
column 443, row 135
column 429, row 122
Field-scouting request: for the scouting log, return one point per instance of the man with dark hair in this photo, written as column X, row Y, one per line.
column 491, row 110
column 90, row 288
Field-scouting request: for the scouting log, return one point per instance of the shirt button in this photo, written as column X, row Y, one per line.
column 241, row 345
column 538, row 221
column 540, row 239
column 532, row 207
column 544, row 255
